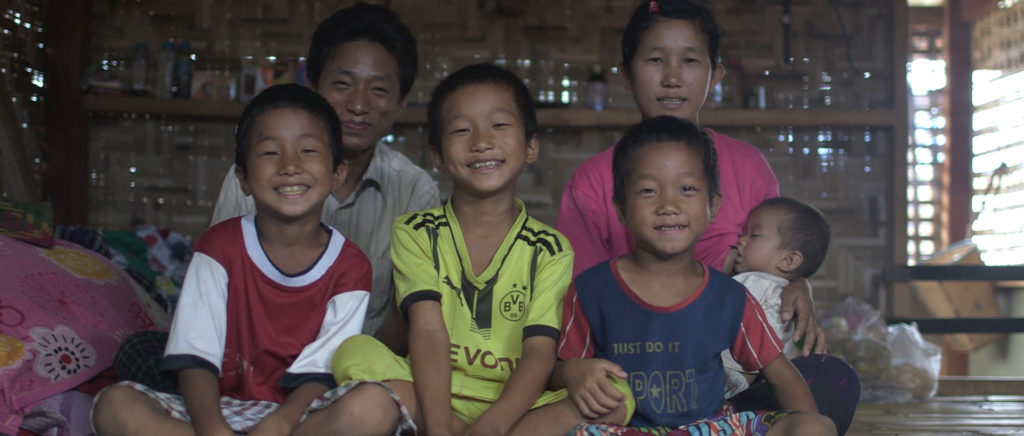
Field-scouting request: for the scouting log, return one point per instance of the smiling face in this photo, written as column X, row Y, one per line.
column 360, row 80
column 760, row 247
column 483, row 140
column 668, row 203
column 289, row 166
column 672, row 72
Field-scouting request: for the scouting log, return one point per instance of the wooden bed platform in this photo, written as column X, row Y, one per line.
column 955, row 411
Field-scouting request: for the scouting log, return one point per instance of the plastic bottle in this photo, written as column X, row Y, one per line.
column 181, row 87
column 164, row 71
column 597, row 89
column 140, row 63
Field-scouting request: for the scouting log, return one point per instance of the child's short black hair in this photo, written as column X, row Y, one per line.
column 662, row 128
column 803, row 228
column 287, row 96
column 645, row 15
column 373, row 23
column 477, row 74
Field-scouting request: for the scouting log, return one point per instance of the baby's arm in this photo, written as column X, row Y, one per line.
column 524, row 387
column 790, row 388
column 431, row 365
column 201, row 393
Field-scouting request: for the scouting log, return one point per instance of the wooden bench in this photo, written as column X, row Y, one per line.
column 943, row 415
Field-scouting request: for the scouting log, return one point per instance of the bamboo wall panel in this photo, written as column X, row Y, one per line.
column 166, row 169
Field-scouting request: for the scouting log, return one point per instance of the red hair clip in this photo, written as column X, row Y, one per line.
column 652, row 7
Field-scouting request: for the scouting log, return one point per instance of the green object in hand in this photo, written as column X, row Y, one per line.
column 800, row 343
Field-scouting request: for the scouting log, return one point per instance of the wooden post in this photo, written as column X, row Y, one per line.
column 898, row 151
column 956, row 33
column 66, row 150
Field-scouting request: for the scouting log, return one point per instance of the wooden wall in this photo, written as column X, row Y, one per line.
column 833, row 125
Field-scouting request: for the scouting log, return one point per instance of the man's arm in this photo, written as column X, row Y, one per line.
column 201, row 393
column 431, row 366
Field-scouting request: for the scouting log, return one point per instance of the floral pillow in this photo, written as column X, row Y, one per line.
column 63, row 312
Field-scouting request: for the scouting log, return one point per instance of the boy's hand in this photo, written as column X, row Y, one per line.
column 796, row 299
column 589, row 387
column 481, row 427
column 272, row 425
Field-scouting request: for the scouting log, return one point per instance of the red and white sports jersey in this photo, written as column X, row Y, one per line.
column 263, row 331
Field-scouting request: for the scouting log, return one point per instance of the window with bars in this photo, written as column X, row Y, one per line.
column 926, row 74
column 998, row 179
column 997, row 147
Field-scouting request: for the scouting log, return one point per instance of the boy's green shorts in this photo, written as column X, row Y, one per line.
column 363, row 357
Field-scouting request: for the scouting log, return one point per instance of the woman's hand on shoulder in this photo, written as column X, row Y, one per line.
column 796, row 300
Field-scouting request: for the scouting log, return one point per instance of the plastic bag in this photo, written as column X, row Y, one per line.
column 895, row 363
column 857, row 334
column 915, row 362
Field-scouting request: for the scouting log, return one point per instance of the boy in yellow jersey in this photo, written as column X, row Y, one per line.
column 479, row 280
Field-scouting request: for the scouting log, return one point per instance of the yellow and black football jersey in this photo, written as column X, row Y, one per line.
column 518, row 296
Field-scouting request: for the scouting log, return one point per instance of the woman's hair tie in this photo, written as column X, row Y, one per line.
column 652, row 7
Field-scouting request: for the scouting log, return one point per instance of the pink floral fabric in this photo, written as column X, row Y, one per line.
column 63, row 312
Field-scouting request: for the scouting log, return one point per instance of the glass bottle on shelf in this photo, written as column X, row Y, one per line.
column 869, row 150
column 140, row 64
column 597, row 89
column 827, row 176
column 825, row 88
column 182, row 83
column 164, row 71
column 806, row 93
column 567, row 86
column 524, row 69
column 545, row 91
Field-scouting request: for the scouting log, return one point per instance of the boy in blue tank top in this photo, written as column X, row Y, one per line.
column 659, row 319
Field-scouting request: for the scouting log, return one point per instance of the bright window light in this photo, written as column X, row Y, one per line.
column 926, row 211
column 998, row 160
column 927, row 247
column 926, row 75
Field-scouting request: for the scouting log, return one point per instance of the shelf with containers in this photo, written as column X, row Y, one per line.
column 546, row 117
column 830, row 123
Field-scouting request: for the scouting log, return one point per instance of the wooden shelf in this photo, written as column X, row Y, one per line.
column 552, row 117
column 176, row 107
